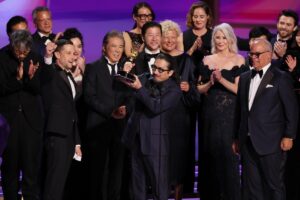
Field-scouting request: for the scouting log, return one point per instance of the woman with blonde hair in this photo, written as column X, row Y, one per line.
column 218, row 81
column 181, row 129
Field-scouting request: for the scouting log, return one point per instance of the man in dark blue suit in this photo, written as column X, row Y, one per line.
column 267, row 120
column 148, row 130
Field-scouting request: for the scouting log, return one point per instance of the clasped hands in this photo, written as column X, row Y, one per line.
column 215, row 76
column 31, row 71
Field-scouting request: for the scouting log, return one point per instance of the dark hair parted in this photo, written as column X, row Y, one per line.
column 259, row 31
column 137, row 6
column 150, row 24
column 70, row 33
column 61, row 43
column 289, row 13
column 20, row 39
column 207, row 10
column 14, row 21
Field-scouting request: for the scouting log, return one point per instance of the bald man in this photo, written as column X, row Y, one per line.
column 267, row 120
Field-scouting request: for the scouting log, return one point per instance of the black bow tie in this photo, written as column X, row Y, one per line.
column 149, row 56
column 254, row 72
column 45, row 38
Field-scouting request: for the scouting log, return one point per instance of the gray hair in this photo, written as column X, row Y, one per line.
column 21, row 39
column 39, row 9
column 112, row 34
column 227, row 30
column 263, row 42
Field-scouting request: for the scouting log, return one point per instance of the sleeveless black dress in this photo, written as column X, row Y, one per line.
column 136, row 40
column 220, row 172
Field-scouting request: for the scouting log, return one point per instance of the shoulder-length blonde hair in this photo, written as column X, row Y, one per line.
column 227, row 30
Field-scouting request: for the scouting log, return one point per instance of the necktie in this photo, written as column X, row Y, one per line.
column 149, row 56
column 69, row 74
column 113, row 71
column 254, row 72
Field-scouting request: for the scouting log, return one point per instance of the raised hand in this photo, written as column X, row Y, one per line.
column 184, row 86
column 50, row 48
column 32, row 69
column 291, row 62
column 280, row 48
column 20, row 71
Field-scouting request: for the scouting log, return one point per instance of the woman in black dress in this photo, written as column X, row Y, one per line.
column 181, row 119
column 196, row 39
column 197, row 43
column 218, row 81
column 141, row 13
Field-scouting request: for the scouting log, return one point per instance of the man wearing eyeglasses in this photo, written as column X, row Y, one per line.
column 267, row 119
column 151, row 33
column 148, row 129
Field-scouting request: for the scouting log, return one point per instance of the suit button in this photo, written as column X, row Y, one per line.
column 20, row 108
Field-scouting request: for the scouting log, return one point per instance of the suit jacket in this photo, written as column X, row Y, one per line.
column 59, row 105
column 23, row 95
column 141, row 64
column 274, row 112
column 39, row 43
column 102, row 94
column 151, row 118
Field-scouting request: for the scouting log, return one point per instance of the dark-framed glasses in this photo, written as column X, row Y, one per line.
column 160, row 70
column 145, row 16
column 256, row 54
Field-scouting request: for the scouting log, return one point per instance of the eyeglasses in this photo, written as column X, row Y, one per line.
column 256, row 54
column 144, row 16
column 160, row 70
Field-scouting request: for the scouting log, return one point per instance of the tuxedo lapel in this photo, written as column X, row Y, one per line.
column 248, row 80
column 63, row 75
column 264, row 82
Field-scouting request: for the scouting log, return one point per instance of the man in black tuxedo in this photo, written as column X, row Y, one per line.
column 60, row 92
column 20, row 104
column 267, row 120
column 151, row 33
column 106, row 100
column 42, row 20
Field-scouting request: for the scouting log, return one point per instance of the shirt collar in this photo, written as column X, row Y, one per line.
column 151, row 52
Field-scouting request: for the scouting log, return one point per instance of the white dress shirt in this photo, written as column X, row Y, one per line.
column 254, row 84
column 152, row 60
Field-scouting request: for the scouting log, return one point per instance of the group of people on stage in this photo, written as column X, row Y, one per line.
column 123, row 126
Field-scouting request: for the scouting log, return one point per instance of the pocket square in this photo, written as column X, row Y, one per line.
column 269, row 86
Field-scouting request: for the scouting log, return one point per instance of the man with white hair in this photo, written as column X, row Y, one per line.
column 267, row 120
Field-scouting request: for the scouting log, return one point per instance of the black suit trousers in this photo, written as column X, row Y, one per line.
column 59, row 151
column 21, row 154
column 151, row 168
column 105, row 163
column 262, row 174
